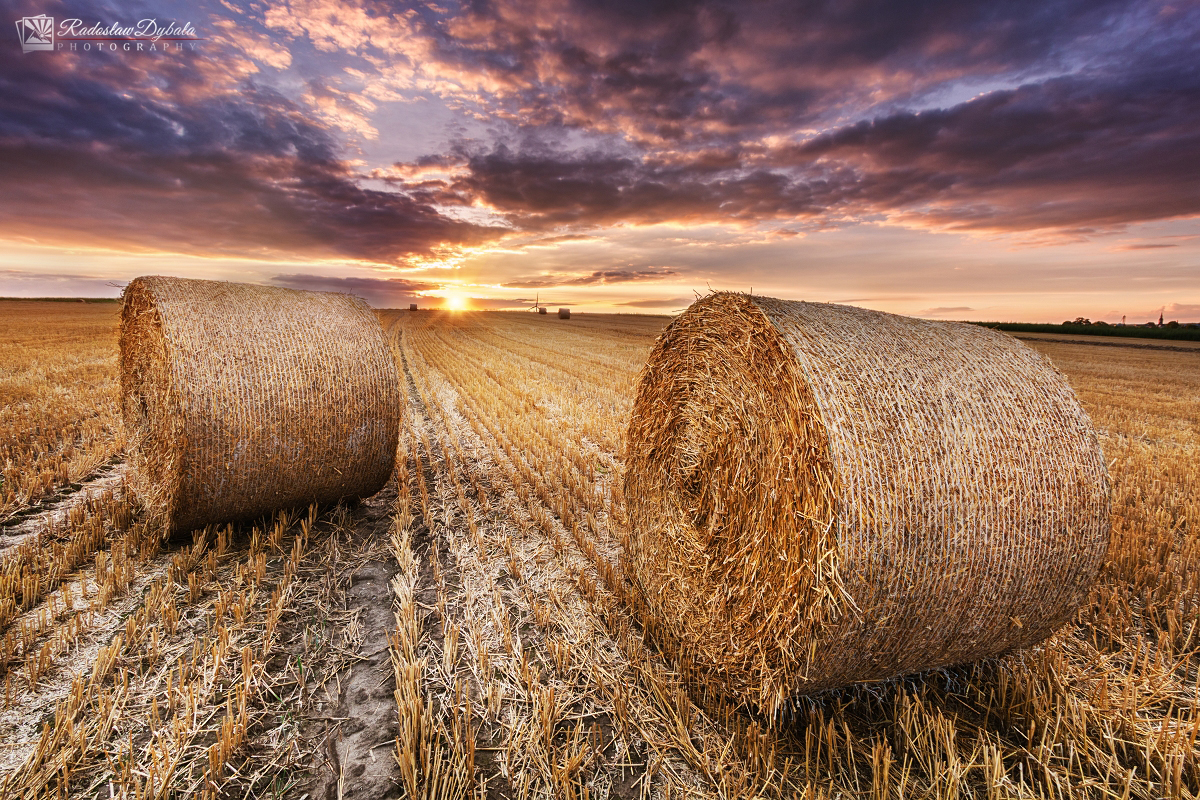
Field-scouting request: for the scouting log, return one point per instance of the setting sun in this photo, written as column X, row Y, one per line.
column 456, row 302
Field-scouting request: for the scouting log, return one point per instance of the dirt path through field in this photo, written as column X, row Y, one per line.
column 360, row 730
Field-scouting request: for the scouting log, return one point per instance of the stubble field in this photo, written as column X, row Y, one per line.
column 469, row 632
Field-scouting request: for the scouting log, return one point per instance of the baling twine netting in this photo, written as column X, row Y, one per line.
column 240, row 400
column 821, row 495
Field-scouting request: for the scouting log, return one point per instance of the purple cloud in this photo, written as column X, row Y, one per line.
column 670, row 302
column 597, row 278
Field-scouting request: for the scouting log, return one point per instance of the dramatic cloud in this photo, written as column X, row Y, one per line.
column 670, row 302
column 378, row 291
column 597, row 278
column 1076, row 154
column 502, row 145
column 672, row 72
column 545, row 188
column 146, row 151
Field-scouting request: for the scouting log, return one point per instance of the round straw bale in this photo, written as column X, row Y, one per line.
column 820, row 495
column 240, row 400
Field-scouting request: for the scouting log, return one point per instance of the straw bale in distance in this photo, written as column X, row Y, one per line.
column 821, row 495
column 242, row 399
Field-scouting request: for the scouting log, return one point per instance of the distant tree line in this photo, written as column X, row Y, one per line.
column 1080, row 326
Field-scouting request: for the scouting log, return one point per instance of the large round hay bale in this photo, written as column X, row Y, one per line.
column 240, row 400
column 821, row 495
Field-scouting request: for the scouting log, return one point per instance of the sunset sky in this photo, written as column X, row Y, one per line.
column 1030, row 161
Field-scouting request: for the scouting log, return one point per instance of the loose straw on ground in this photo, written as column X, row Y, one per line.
column 239, row 399
column 821, row 495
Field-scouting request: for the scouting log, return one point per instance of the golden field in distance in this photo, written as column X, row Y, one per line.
column 468, row 631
